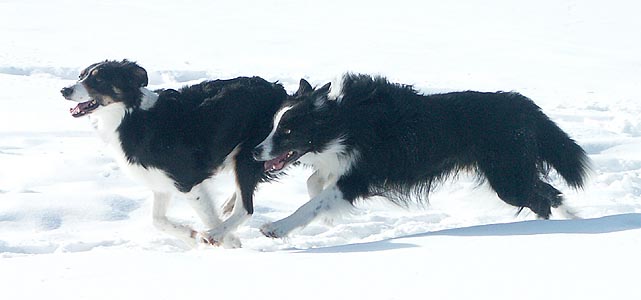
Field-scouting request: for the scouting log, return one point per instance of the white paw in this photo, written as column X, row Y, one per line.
column 200, row 238
column 272, row 230
column 221, row 238
column 192, row 242
column 231, row 241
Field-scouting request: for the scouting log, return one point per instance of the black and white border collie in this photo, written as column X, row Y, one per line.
column 175, row 140
column 369, row 137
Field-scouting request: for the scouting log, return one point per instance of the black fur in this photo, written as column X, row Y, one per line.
column 407, row 142
column 188, row 133
column 125, row 75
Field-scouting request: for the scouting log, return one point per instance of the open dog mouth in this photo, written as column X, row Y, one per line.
column 84, row 108
column 281, row 161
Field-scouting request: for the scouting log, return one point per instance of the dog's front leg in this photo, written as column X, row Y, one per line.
column 315, row 184
column 222, row 235
column 228, row 206
column 329, row 201
column 202, row 202
column 248, row 174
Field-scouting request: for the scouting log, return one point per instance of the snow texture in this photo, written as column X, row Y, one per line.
column 73, row 226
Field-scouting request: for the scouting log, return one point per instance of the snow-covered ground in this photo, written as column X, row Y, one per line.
column 72, row 226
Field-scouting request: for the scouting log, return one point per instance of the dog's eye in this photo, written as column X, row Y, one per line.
column 287, row 131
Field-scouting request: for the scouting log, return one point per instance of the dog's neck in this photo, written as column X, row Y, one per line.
column 107, row 119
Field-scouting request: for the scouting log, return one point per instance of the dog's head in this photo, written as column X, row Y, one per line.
column 105, row 83
column 299, row 127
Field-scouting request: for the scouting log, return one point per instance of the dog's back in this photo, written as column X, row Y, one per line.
column 407, row 142
column 200, row 125
column 371, row 137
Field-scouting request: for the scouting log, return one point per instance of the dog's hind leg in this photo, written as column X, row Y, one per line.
column 516, row 182
column 546, row 193
column 161, row 203
column 520, row 186
column 510, row 166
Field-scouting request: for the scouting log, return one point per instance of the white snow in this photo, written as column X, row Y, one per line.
column 73, row 226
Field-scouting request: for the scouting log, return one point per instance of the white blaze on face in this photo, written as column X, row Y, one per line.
column 268, row 143
column 80, row 93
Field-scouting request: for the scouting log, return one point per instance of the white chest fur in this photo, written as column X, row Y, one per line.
column 106, row 121
column 331, row 163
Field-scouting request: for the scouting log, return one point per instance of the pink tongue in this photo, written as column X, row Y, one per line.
column 276, row 164
column 83, row 108
column 76, row 110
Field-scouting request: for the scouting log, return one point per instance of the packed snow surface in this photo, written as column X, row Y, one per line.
column 73, row 226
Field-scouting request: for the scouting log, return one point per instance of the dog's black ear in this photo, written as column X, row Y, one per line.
column 324, row 89
column 141, row 76
column 139, row 73
column 320, row 95
column 303, row 88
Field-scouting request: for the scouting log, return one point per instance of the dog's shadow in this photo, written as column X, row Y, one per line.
column 607, row 224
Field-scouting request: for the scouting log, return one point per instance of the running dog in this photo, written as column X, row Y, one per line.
column 369, row 137
column 174, row 141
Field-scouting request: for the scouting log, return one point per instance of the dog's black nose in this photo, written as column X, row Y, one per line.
column 66, row 92
column 257, row 152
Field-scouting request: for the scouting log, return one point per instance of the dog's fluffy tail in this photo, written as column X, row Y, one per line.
column 563, row 154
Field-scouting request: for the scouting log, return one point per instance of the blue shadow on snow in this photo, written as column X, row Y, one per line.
column 607, row 224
